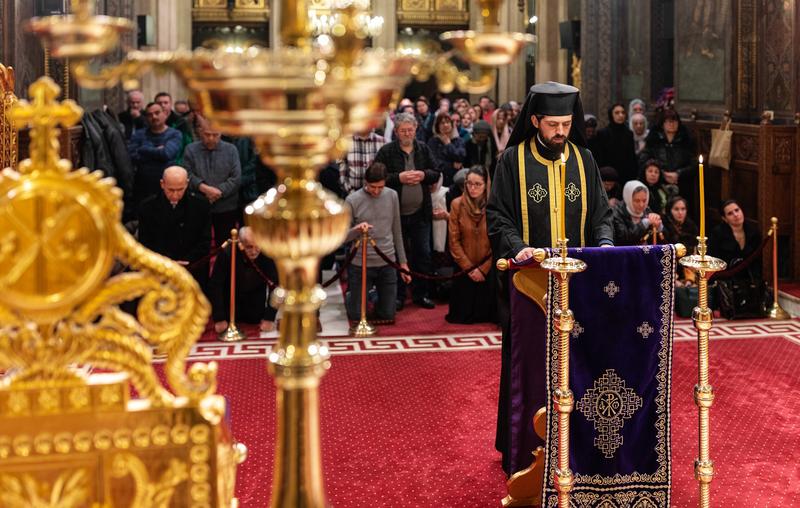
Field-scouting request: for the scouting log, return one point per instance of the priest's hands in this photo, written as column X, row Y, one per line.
column 524, row 254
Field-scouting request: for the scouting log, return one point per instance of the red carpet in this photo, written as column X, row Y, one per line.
column 792, row 288
column 416, row 429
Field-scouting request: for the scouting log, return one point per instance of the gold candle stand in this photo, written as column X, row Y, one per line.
column 563, row 399
column 363, row 328
column 703, row 266
column 776, row 311
column 232, row 333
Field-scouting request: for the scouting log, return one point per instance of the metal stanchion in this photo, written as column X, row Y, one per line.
column 232, row 333
column 363, row 328
column 776, row 311
column 703, row 266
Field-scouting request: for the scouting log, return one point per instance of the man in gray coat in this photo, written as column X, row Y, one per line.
column 215, row 173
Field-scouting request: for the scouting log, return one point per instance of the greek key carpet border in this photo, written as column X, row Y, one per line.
column 338, row 346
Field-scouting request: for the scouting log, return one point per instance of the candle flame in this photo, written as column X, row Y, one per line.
column 701, row 159
column 563, row 159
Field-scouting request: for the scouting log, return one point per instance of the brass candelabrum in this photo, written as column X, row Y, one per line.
column 563, row 268
column 363, row 328
column 704, row 266
column 232, row 332
column 300, row 104
column 775, row 311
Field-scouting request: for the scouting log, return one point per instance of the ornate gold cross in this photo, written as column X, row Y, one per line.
column 43, row 117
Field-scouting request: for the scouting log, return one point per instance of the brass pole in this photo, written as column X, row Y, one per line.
column 232, row 333
column 776, row 311
column 704, row 266
column 563, row 398
column 363, row 328
column 655, row 235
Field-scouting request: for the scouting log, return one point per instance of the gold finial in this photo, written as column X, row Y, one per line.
column 680, row 250
column 502, row 264
column 43, row 117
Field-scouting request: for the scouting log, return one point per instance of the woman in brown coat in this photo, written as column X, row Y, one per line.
column 473, row 296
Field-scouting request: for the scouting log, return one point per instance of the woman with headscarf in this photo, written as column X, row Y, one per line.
column 633, row 220
column 615, row 145
column 447, row 147
column 473, row 296
column 636, row 106
column 640, row 131
column 500, row 130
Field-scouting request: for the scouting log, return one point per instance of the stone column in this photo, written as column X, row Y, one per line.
column 388, row 37
column 511, row 79
column 551, row 63
column 596, row 57
column 173, row 21
column 275, row 24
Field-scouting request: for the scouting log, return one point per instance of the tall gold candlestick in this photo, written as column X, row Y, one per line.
column 562, row 208
column 563, row 399
column 702, row 200
column 704, row 266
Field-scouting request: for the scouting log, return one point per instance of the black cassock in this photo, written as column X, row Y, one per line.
column 522, row 213
column 251, row 288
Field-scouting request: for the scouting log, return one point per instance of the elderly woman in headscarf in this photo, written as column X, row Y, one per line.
column 633, row 220
column 638, row 125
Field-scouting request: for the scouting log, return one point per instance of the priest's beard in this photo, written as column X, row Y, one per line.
column 554, row 143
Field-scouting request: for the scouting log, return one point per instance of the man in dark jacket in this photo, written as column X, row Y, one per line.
column 410, row 171
column 153, row 150
column 177, row 224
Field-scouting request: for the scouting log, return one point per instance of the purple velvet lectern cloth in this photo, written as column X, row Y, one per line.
column 620, row 362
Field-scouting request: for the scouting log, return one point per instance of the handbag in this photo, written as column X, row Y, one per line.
column 720, row 153
column 742, row 297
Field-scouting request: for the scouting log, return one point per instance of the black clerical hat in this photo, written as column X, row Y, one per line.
column 550, row 99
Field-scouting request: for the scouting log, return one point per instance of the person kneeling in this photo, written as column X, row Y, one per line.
column 376, row 209
column 251, row 287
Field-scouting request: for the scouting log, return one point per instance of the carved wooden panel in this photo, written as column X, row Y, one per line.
column 745, row 148
column 433, row 12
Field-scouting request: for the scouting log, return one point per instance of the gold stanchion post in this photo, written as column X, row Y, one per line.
column 776, row 311
column 232, row 333
column 703, row 266
column 363, row 328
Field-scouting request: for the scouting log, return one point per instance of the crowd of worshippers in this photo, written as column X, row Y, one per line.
column 419, row 186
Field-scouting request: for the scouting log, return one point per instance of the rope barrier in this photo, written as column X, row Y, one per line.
column 745, row 263
column 214, row 251
column 424, row 276
column 272, row 284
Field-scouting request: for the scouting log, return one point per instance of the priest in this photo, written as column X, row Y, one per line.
column 522, row 216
